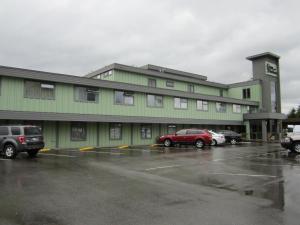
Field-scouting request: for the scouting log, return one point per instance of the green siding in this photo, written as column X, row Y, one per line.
column 141, row 79
column 49, row 129
column 13, row 89
column 256, row 92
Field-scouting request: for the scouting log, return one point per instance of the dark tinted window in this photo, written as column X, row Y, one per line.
column 194, row 132
column 15, row 130
column 3, row 130
column 78, row 131
column 181, row 132
column 32, row 131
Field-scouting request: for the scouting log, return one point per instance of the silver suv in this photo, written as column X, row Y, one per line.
column 20, row 138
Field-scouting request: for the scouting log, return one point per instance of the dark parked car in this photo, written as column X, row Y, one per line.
column 231, row 136
column 19, row 138
column 196, row 137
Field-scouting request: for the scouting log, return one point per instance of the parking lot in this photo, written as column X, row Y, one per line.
column 247, row 184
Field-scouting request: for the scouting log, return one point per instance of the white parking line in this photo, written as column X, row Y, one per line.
column 243, row 174
column 69, row 156
column 162, row 167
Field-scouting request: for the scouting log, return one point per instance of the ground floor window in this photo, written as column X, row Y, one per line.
column 146, row 131
column 78, row 131
column 172, row 129
column 115, row 131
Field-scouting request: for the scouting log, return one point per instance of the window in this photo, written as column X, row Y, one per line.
column 180, row 103
column 151, row 83
column 124, row 97
column 190, row 88
column 78, row 131
column 273, row 97
column 171, row 129
column 202, row 105
column 248, row 109
column 15, row 130
column 169, row 83
column 154, row 101
column 194, row 132
column 115, row 131
column 3, row 130
column 32, row 131
column 181, row 132
column 246, row 93
column 220, row 107
column 146, row 132
column 39, row 90
column 86, row 94
column 221, row 93
column 236, row 108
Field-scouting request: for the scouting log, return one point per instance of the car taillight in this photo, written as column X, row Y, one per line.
column 22, row 139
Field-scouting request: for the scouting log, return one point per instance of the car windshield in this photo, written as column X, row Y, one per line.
column 32, row 131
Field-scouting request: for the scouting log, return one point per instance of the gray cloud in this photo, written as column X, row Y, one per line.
column 211, row 38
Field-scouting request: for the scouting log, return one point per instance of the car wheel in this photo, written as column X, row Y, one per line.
column 10, row 151
column 32, row 153
column 296, row 147
column 167, row 143
column 214, row 142
column 199, row 144
column 233, row 141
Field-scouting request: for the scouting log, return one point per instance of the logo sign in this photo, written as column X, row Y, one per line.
column 271, row 69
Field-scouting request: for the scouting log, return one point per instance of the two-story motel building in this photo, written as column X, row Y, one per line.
column 128, row 105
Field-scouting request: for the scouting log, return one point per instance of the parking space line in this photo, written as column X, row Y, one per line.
column 244, row 174
column 69, row 156
column 162, row 167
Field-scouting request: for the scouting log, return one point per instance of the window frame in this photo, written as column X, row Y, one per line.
column 123, row 102
column 97, row 90
column 224, row 107
column 168, row 82
column 150, row 80
column 187, row 105
column 234, row 108
column 155, row 106
column 146, row 126
column 246, row 93
column 81, row 125
column 40, row 86
column 191, row 88
column 202, row 105
column 115, row 125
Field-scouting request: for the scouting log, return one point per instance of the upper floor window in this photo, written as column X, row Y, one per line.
column 180, row 103
column 151, row 82
column 169, row 83
column 246, row 93
column 115, row 131
column 78, row 131
column 236, row 108
column 39, row 90
column 124, row 97
column 221, row 92
column 146, row 132
column 202, row 105
column 191, row 88
column 86, row 94
column 154, row 101
column 221, row 107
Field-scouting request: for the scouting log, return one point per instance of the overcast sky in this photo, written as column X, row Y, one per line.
column 205, row 37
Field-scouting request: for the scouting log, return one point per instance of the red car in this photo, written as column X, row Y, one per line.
column 196, row 137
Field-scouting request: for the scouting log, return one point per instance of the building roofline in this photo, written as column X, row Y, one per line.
column 253, row 57
column 76, row 80
column 173, row 71
column 186, row 78
column 244, row 83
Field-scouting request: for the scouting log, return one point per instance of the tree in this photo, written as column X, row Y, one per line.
column 298, row 112
column 292, row 113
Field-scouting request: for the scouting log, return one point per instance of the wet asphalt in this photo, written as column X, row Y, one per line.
column 247, row 184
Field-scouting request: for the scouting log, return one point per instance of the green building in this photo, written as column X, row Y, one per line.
column 126, row 105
